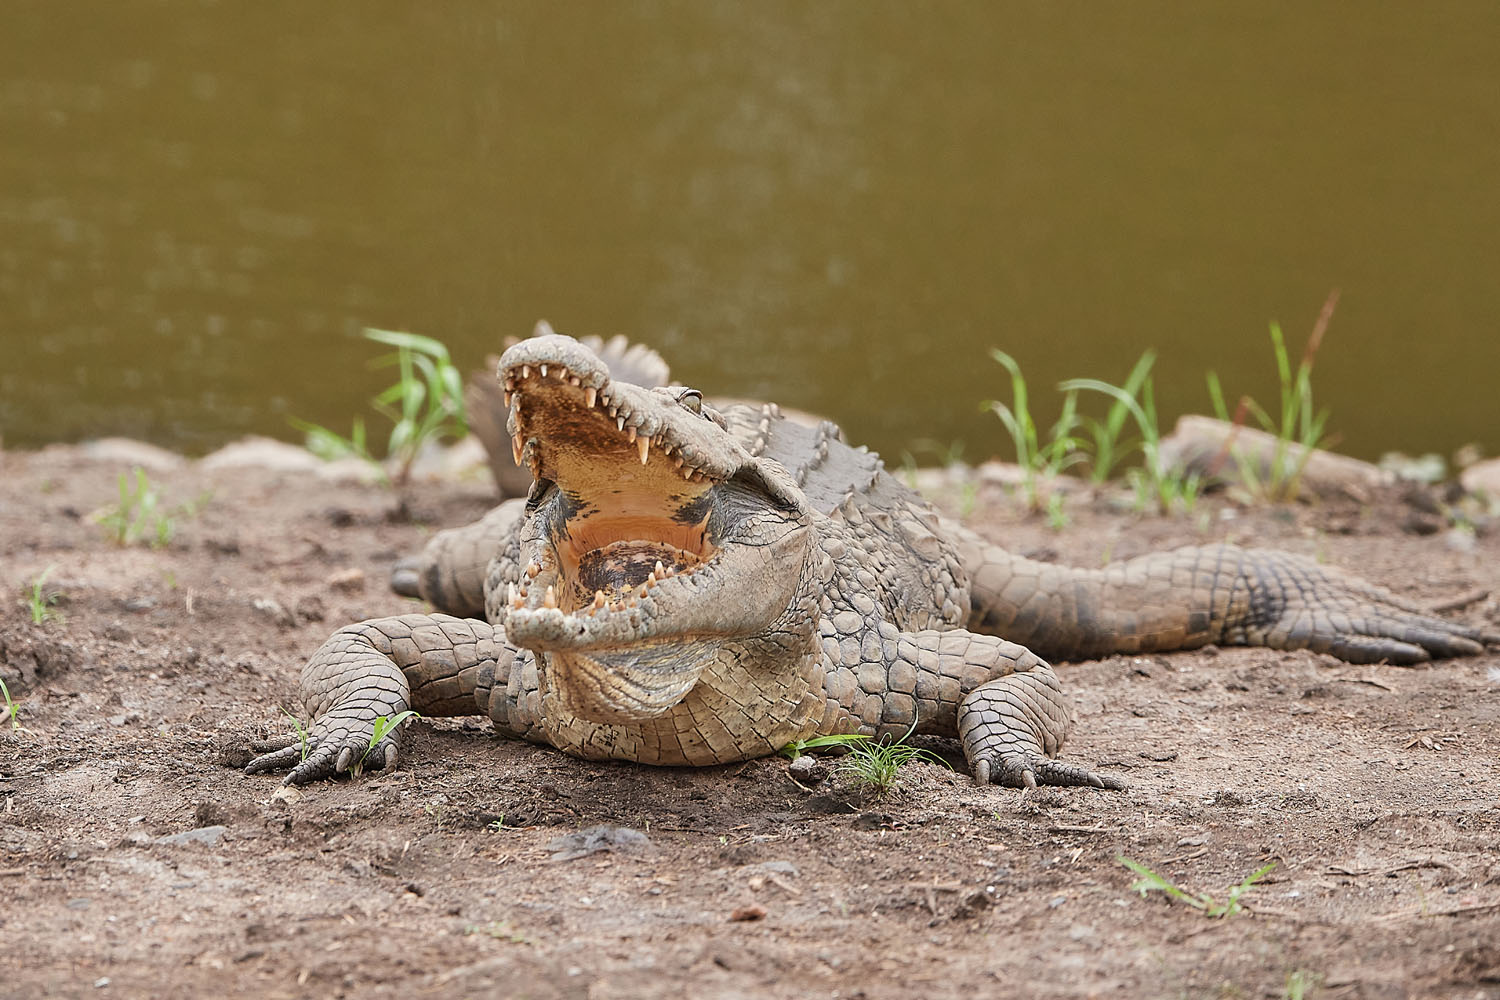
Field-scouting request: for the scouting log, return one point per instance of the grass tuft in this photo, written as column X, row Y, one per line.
column 1041, row 459
column 140, row 516
column 1157, row 484
column 1299, row 428
column 39, row 599
column 873, row 763
column 424, row 405
column 1151, row 881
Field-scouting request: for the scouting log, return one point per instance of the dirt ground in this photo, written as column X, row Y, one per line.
column 1373, row 789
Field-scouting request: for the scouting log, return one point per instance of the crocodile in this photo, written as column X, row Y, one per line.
column 690, row 584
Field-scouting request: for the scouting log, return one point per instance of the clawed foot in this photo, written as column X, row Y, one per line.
column 1027, row 770
column 1300, row 604
column 1010, row 727
column 339, row 742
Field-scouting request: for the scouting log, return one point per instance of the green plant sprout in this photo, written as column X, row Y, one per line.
column 384, row 726
column 1300, row 429
column 869, row 761
column 797, row 748
column 1039, row 459
column 300, row 729
column 1057, row 516
column 40, row 600
column 950, row 457
column 500, row 930
column 138, row 516
column 10, row 711
column 1106, row 433
column 424, row 405
column 1150, row 881
column 1301, row 984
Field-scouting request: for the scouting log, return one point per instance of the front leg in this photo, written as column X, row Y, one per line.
column 432, row 664
column 1001, row 700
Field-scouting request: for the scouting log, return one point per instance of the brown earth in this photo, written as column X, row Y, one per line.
column 1373, row 789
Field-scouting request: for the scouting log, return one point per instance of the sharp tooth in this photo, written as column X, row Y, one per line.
column 678, row 461
column 562, row 373
column 641, row 590
column 515, row 447
column 508, row 395
column 574, row 380
column 650, row 582
column 533, row 569
column 543, row 369
column 643, row 445
column 510, row 593
column 589, row 395
column 630, row 434
column 660, row 572
column 687, row 473
column 549, row 599
column 620, row 422
column 598, row 599
column 526, row 371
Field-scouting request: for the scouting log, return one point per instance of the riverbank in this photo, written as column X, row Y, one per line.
column 139, row 861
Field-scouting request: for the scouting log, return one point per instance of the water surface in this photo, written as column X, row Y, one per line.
column 840, row 206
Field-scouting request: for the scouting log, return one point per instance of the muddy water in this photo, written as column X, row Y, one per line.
column 841, row 206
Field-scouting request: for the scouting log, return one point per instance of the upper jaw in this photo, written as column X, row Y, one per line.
column 565, row 409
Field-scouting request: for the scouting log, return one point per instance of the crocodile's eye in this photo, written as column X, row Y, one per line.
column 692, row 399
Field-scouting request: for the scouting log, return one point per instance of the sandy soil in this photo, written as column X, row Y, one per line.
column 1373, row 789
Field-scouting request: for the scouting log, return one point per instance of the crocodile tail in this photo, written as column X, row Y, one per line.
column 1191, row 596
column 485, row 400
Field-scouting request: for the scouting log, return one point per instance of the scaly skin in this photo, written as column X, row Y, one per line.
column 689, row 586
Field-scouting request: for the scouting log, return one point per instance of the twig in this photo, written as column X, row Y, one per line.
column 1076, row 829
column 1403, row 867
column 1366, row 680
column 1461, row 601
column 1456, row 911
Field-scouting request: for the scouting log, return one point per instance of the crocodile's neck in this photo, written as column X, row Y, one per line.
column 751, row 700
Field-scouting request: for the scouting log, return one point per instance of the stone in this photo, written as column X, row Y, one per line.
column 207, row 835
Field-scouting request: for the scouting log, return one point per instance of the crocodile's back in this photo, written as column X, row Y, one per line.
column 904, row 557
column 828, row 470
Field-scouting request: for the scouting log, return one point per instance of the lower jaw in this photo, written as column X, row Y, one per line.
column 589, row 689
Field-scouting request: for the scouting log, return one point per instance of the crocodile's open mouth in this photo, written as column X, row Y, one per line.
column 648, row 538
column 628, row 510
